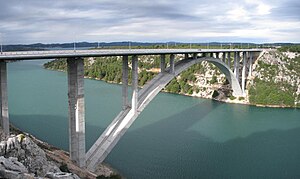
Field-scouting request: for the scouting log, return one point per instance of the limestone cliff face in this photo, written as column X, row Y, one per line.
column 20, row 158
column 276, row 79
column 275, row 75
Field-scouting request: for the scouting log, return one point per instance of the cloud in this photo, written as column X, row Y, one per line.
column 34, row 21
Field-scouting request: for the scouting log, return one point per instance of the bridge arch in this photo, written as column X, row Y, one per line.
column 109, row 138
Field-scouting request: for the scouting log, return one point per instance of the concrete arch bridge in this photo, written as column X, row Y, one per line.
column 236, row 64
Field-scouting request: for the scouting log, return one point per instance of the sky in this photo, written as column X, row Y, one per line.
column 191, row 21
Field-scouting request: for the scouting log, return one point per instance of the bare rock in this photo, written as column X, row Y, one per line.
column 61, row 175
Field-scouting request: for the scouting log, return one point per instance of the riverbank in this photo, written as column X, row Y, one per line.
column 49, row 160
column 208, row 95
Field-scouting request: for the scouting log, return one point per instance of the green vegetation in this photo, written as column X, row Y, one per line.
column 264, row 91
column 64, row 168
column 290, row 48
column 109, row 69
column 232, row 98
column 241, row 98
column 213, row 80
column 215, row 94
column 270, row 93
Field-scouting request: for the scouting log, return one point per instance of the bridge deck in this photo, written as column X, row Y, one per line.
column 29, row 55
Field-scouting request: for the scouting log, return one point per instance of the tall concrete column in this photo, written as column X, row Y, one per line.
column 76, row 110
column 228, row 59
column 235, row 63
column 125, row 83
column 250, row 64
column 244, row 71
column 172, row 64
column 162, row 63
column 238, row 58
column 4, row 99
column 224, row 57
column 134, row 99
column 186, row 56
column 195, row 56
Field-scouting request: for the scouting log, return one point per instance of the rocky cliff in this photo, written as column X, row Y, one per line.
column 22, row 156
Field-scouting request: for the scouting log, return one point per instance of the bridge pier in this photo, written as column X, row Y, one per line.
column 238, row 58
column 4, row 99
column 76, row 110
column 172, row 64
column 162, row 63
column 228, row 59
column 186, row 56
column 224, row 57
column 134, row 100
column 235, row 63
column 250, row 64
column 125, row 104
column 195, row 55
column 244, row 71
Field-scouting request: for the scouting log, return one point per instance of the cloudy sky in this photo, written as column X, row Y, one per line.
column 49, row 21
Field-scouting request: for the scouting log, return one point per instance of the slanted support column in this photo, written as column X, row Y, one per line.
column 134, row 99
column 76, row 110
column 4, row 99
column 162, row 63
column 244, row 71
column 125, row 83
column 172, row 64
column 250, row 64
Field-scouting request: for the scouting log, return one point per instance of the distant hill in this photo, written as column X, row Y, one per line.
column 41, row 46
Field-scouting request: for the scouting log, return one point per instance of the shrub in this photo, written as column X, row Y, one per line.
column 232, row 98
column 64, row 168
column 241, row 98
column 215, row 94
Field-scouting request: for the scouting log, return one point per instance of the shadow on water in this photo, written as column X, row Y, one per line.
column 173, row 151
column 52, row 129
column 168, row 149
column 49, row 128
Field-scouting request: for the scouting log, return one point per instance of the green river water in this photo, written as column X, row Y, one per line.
column 174, row 137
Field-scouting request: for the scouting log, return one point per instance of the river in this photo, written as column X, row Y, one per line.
column 174, row 137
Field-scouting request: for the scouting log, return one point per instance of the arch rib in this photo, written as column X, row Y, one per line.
column 123, row 121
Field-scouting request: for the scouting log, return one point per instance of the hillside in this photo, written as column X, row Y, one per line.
column 274, row 81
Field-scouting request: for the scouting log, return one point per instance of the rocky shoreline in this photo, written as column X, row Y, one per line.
column 24, row 156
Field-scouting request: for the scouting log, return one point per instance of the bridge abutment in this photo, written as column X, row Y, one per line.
column 76, row 110
column 4, row 99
